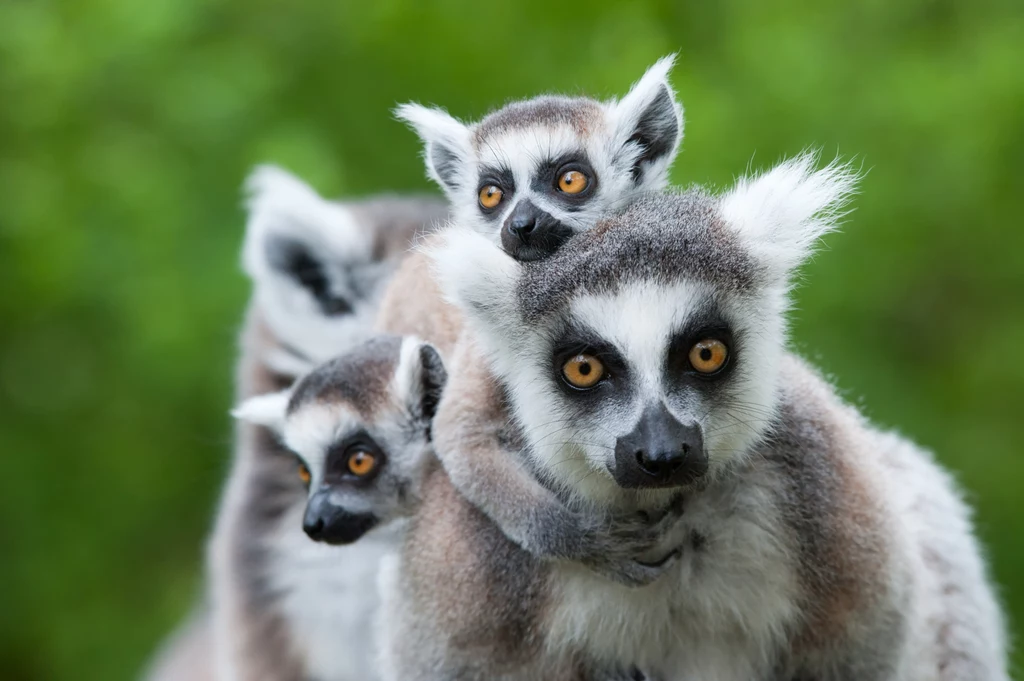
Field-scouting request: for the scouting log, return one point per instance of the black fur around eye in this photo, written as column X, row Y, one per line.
column 494, row 189
column 704, row 352
column 574, row 181
column 356, row 460
column 584, row 367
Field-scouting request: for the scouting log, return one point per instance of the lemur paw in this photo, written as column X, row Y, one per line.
column 626, row 548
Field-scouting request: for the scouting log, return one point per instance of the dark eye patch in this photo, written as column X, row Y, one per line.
column 709, row 323
column 545, row 179
column 575, row 340
column 336, row 470
column 502, row 178
column 294, row 259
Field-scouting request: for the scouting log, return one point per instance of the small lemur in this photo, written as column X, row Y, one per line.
column 647, row 358
column 537, row 171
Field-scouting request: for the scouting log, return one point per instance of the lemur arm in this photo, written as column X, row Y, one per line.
column 468, row 437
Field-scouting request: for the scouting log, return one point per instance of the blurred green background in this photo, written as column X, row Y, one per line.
column 126, row 129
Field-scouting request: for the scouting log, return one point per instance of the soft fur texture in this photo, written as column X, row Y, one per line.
column 275, row 599
column 319, row 267
column 628, row 145
column 815, row 546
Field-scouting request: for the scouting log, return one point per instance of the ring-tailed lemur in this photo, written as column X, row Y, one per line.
column 645, row 358
column 536, row 171
column 319, row 268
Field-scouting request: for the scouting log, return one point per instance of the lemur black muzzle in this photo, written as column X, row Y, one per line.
column 530, row 233
column 327, row 522
column 660, row 452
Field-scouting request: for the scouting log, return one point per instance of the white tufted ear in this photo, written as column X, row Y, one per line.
column 781, row 213
column 446, row 144
column 264, row 410
column 648, row 126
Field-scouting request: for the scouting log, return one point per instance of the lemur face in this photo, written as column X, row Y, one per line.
column 360, row 427
column 536, row 172
column 643, row 355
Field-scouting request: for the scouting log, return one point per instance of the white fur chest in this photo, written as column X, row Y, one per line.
column 719, row 613
column 329, row 598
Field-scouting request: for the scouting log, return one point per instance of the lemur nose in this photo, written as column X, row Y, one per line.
column 522, row 226
column 662, row 464
column 314, row 528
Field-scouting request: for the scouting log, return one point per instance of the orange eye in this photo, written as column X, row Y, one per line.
column 708, row 356
column 573, row 182
column 361, row 463
column 583, row 371
column 490, row 196
column 304, row 474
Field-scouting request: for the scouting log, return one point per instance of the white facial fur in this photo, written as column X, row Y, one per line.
column 460, row 156
column 775, row 218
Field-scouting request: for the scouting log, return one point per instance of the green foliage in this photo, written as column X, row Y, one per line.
column 127, row 128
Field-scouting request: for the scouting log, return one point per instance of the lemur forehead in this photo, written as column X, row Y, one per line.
column 361, row 378
column 578, row 113
column 661, row 238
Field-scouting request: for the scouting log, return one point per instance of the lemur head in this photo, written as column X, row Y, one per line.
column 644, row 355
column 360, row 426
column 318, row 267
column 537, row 171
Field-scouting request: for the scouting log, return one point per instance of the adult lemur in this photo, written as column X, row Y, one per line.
column 646, row 359
column 318, row 269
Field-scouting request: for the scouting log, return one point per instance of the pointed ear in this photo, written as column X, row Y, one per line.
column 293, row 237
column 420, row 377
column 476, row 276
column 446, row 144
column 265, row 410
column 780, row 214
column 648, row 126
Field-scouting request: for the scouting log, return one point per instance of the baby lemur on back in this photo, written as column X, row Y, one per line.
column 537, row 171
column 645, row 359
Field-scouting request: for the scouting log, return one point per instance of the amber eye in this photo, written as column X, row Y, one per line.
column 361, row 463
column 708, row 356
column 583, row 371
column 304, row 474
column 490, row 196
column 573, row 182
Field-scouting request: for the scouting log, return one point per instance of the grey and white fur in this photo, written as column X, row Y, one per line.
column 375, row 402
column 811, row 545
column 621, row 148
column 319, row 269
